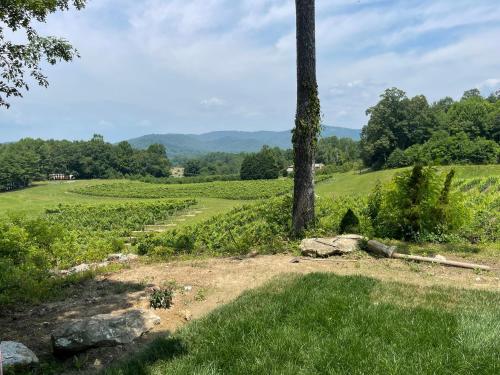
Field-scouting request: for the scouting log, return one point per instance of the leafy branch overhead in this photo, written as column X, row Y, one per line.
column 20, row 60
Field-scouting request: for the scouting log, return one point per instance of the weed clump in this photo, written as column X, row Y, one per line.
column 162, row 298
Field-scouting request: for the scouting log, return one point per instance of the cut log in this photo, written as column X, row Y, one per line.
column 390, row 252
column 445, row 262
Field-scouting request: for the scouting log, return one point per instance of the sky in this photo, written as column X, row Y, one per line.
column 194, row 66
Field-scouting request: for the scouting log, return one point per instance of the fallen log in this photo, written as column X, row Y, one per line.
column 390, row 252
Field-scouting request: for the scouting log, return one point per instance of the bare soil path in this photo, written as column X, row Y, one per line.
column 204, row 285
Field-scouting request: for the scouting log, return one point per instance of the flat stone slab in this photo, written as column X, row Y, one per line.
column 102, row 330
column 327, row 247
column 17, row 356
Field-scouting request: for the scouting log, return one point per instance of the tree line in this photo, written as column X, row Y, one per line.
column 34, row 159
column 403, row 131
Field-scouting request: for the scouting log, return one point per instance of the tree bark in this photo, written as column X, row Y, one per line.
column 307, row 121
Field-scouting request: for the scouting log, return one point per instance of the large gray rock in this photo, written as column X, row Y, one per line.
column 326, row 247
column 102, row 330
column 16, row 355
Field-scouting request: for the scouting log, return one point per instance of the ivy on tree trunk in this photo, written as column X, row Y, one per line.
column 307, row 121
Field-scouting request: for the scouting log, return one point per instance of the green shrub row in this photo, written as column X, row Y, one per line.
column 65, row 236
column 244, row 190
column 122, row 217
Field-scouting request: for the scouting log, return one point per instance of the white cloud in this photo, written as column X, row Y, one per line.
column 213, row 102
column 163, row 60
column 491, row 83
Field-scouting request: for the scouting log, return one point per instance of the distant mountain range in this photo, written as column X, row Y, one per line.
column 188, row 145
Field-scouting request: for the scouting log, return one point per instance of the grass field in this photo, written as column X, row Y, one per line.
column 327, row 324
column 355, row 183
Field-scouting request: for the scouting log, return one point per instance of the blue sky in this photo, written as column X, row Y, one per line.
column 192, row 66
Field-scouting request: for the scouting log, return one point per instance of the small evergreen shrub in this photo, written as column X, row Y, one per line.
column 349, row 223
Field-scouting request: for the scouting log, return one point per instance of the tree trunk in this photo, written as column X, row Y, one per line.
column 307, row 121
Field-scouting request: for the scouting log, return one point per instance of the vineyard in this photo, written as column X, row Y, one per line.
column 95, row 219
column 266, row 226
column 244, row 190
column 67, row 235
column 122, row 217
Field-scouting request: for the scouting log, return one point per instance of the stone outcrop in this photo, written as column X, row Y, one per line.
column 102, row 330
column 17, row 356
column 326, row 247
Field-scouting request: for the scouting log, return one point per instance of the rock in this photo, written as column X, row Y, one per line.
column 326, row 247
column 187, row 315
column 131, row 257
column 295, row 260
column 17, row 356
column 102, row 330
column 119, row 257
column 77, row 269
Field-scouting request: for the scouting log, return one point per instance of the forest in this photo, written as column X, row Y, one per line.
column 34, row 159
column 403, row 131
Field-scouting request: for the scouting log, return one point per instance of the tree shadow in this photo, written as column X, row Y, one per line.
column 163, row 347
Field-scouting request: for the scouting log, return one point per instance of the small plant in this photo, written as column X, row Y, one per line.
column 201, row 295
column 161, row 298
column 79, row 362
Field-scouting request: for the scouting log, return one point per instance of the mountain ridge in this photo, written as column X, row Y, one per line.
column 234, row 141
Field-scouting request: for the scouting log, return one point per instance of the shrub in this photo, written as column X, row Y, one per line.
column 398, row 159
column 349, row 223
column 161, row 298
column 419, row 203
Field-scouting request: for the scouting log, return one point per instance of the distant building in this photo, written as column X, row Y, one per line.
column 61, row 177
column 177, row 172
column 316, row 167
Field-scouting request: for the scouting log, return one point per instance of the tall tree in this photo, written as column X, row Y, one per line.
column 19, row 59
column 307, row 121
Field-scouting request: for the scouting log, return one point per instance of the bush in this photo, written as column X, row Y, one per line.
column 161, row 298
column 349, row 223
column 398, row 159
column 418, row 204
column 457, row 149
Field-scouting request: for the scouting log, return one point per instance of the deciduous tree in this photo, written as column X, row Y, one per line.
column 20, row 59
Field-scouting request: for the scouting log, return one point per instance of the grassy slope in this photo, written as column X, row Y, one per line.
column 355, row 183
column 35, row 200
column 327, row 324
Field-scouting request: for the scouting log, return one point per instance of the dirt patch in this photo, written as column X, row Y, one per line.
column 202, row 286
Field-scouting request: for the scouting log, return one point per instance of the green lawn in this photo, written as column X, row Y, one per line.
column 328, row 324
column 355, row 183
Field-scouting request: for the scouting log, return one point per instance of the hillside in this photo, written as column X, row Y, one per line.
column 229, row 141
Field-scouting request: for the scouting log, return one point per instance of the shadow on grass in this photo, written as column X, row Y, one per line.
column 163, row 348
